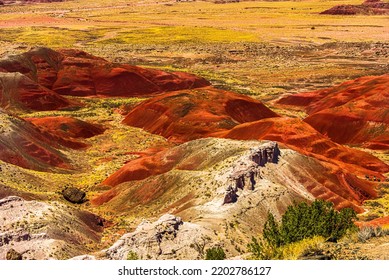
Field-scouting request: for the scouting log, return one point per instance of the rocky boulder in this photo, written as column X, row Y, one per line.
column 247, row 169
column 74, row 195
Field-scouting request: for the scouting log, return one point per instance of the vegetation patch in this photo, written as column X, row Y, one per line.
column 215, row 253
column 176, row 34
column 302, row 223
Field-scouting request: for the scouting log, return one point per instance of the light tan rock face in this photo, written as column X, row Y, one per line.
column 40, row 230
column 167, row 238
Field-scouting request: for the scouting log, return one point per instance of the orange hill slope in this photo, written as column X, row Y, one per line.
column 344, row 170
column 67, row 127
column 18, row 92
column 354, row 112
column 23, row 144
column 186, row 115
column 74, row 72
column 191, row 114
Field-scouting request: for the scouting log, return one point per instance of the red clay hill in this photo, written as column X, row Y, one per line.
column 36, row 143
column 76, row 73
column 301, row 137
column 369, row 7
column 67, row 127
column 23, row 144
column 184, row 108
column 146, row 177
column 18, row 92
column 354, row 112
column 191, row 114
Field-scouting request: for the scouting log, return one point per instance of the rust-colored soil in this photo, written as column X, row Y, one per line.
column 18, row 92
column 76, row 73
column 375, row 222
column 186, row 115
column 301, row 137
column 354, row 112
column 23, row 144
column 369, row 7
column 67, row 127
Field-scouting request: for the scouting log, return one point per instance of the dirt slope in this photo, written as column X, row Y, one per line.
column 186, row 115
column 67, row 127
column 354, row 112
column 20, row 93
column 41, row 230
column 74, row 72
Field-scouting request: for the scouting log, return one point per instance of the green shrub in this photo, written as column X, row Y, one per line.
column 299, row 222
column 215, row 253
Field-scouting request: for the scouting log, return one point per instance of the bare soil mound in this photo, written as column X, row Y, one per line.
column 18, row 92
column 25, row 145
column 214, row 179
column 186, row 115
column 370, row 7
column 76, row 73
column 42, row 230
column 67, row 127
column 354, row 112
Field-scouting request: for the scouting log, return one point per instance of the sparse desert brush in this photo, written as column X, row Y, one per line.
column 292, row 251
column 47, row 36
column 351, row 236
column 179, row 34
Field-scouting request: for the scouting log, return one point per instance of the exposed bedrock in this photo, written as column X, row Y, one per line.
column 166, row 238
column 247, row 170
column 46, row 230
